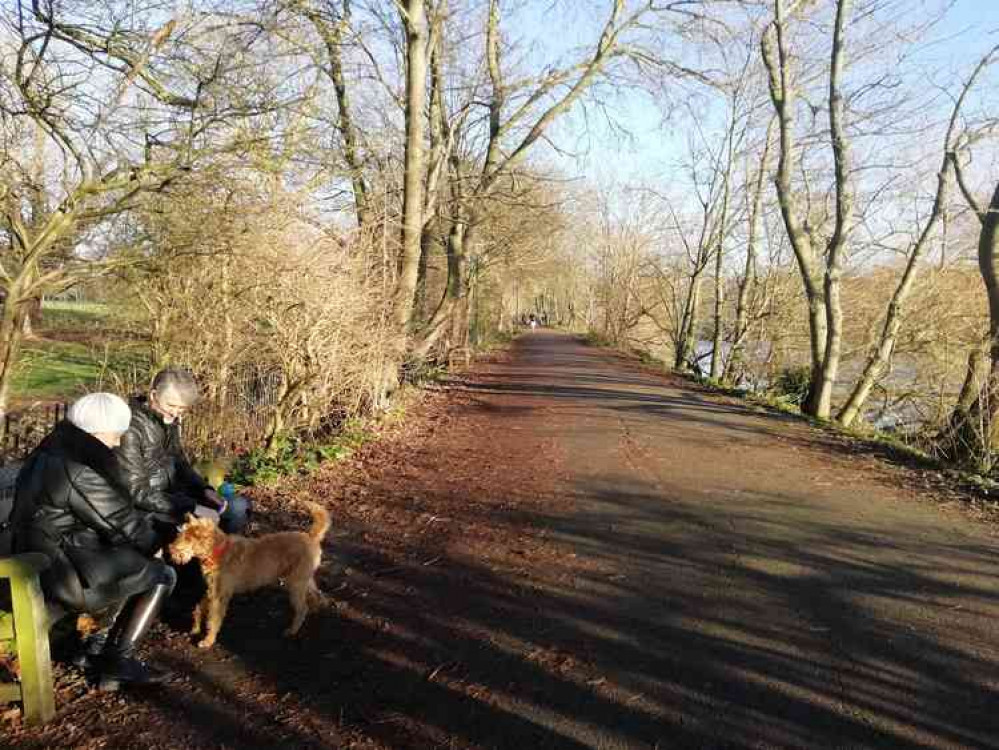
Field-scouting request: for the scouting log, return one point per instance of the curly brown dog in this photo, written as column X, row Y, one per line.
column 234, row 565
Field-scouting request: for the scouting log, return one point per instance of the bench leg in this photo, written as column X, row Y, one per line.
column 31, row 623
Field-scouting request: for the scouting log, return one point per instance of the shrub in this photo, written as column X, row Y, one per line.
column 289, row 454
column 792, row 384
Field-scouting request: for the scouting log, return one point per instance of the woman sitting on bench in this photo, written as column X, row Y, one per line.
column 73, row 504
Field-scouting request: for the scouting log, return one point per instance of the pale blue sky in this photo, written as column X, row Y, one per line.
column 969, row 29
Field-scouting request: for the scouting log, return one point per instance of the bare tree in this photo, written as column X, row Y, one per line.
column 519, row 113
column 710, row 172
column 123, row 109
column 332, row 23
column 821, row 285
column 414, row 18
column 969, row 434
column 748, row 280
column 893, row 319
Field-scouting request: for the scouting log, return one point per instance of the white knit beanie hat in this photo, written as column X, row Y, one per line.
column 100, row 412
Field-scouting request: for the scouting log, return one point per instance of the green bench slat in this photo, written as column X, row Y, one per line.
column 10, row 692
column 23, row 565
column 28, row 625
column 24, row 629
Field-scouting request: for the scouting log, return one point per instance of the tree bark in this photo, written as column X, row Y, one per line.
column 11, row 337
column 777, row 62
column 844, row 217
column 968, row 435
column 721, row 231
column 825, row 317
column 451, row 297
column 742, row 323
column 415, row 22
column 988, row 250
column 718, row 335
column 879, row 359
column 968, row 438
column 331, row 34
column 686, row 345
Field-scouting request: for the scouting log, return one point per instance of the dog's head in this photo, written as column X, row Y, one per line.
column 196, row 539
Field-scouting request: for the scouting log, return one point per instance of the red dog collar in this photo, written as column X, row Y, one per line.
column 219, row 550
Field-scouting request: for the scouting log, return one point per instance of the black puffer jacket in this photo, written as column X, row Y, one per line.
column 157, row 472
column 72, row 504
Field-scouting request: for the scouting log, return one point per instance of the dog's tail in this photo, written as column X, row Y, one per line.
column 320, row 521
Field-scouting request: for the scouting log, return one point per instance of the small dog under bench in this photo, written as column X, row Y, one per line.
column 234, row 564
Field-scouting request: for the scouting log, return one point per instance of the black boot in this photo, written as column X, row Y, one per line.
column 89, row 654
column 118, row 663
column 53, row 614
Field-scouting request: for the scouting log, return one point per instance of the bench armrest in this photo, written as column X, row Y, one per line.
column 26, row 564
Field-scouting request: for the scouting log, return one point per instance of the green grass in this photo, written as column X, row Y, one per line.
column 57, row 314
column 51, row 370
column 76, row 347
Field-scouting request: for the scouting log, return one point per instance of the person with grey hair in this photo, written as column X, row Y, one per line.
column 72, row 503
column 159, row 475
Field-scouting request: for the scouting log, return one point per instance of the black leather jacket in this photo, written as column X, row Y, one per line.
column 157, row 472
column 71, row 503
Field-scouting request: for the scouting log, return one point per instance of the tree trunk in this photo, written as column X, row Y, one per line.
column 825, row 310
column 955, row 432
column 782, row 95
column 686, row 345
column 969, row 435
column 11, row 336
column 823, row 390
column 817, row 332
column 717, row 360
column 332, row 34
column 453, row 292
column 716, row 344
column 988, row 249
column 878, row 361
column 32, row 317
column 742, row 323
column 427, row 241
column 415, row 22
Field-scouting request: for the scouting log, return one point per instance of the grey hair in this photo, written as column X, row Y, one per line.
column 179, row 382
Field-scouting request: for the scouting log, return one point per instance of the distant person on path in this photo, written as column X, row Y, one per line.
column 534, row 322
column 72, row 503
column 158, row 473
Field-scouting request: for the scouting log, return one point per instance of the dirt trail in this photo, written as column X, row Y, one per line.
column 567, row 551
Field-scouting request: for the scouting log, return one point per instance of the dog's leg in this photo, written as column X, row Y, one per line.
column 198, row 614
column 204, row 606
column 217, row 607
column 316, row 598
column 298, row 593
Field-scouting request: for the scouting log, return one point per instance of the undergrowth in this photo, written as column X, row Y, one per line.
column 290, row 454
column 294, row 454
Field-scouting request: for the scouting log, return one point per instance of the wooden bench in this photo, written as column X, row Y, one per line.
column 24, row 626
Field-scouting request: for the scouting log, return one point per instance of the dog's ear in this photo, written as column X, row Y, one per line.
column 188, row 517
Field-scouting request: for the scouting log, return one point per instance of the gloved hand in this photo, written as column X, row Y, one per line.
column 183, row 504
column 147, row 539
column 214, row 501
